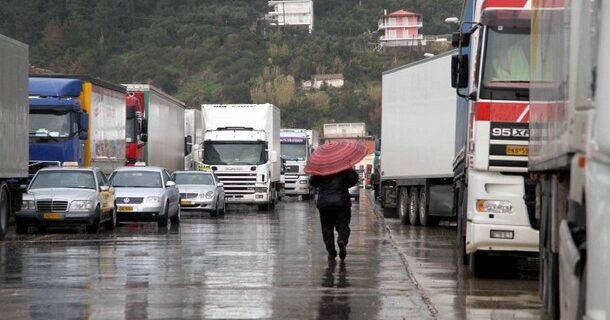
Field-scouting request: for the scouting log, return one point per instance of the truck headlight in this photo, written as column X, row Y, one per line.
column 154, row 200
column 28, row 205
column 303, row 182
column 260, row 190
column 209, row 194
column 81, row 205
column 494, row 206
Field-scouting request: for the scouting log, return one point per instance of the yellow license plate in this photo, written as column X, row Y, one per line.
column 186, row 202
column 52, row 216
column 125, row 208
column 517, row 150
column 204, row 167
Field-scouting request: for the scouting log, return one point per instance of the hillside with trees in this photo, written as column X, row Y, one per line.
column 220, row 52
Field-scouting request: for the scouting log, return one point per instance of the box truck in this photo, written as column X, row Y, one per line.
column 76, row 118
column 493, row 192
column 13, row 126
column 241, row 144
column 163, row 124
column 417, row 130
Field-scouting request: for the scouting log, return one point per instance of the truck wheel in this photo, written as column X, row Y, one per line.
column 424, row 219
column 413, row 206
column 403, row 205
column 4, row 209
column 480, row 264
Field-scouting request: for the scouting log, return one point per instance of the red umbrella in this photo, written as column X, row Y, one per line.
column 335, row 156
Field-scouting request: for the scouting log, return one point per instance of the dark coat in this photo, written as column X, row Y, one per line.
column 333, row 190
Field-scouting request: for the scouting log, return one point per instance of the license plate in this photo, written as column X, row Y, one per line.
column 52, row 216
column 517, row 150
column 186, row 202
column 125, row 208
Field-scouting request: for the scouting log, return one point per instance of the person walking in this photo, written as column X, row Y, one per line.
column 334, row 205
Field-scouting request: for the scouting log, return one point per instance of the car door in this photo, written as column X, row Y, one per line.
column 107, row 203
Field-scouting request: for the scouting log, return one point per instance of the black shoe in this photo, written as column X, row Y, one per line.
column 332, row 255
column 342, row 250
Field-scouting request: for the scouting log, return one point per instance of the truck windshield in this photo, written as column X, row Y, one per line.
column 63, row 179
column 234, row 153
column 294, row 151
column 47, row 124
column 136, row 179
column 506, row 65
column 194, row 179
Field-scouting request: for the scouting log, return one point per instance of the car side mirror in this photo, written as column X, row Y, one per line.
column 23, row 186
column 104, row 188
column 220, row 184
column 170, row 184
column 143, row 137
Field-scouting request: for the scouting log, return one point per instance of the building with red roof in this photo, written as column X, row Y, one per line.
column 401, row 28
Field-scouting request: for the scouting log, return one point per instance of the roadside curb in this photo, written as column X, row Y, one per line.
column 379, row 214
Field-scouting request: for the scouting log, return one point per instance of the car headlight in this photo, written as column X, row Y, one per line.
column 303, row 182
column 81, row 205
column 494, row 206
column 154, row 200
column 28, row 205
column 260, row 189
column 209, row 194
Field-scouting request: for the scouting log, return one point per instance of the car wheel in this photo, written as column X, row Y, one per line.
column 111, row 223
column 95, row 226
column 176, row 219
column 224, row 208
column 164, row 219
column 413, row 206
column 21, row 228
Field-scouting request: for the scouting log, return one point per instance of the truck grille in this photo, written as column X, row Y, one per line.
column 292, row 168
column 236, row 183
column 188, row 195
column 509, row 147
column 129, row 200
column 49, row 205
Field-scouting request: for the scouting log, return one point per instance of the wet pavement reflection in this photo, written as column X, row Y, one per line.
column 254, row 265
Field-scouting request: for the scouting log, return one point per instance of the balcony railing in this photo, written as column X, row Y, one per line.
column 386, row 38
column 409, row 24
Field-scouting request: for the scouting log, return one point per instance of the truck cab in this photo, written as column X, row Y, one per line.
column 58, row 124
column 135, row 135
column 295, row 151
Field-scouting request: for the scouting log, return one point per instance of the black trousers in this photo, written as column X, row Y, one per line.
column 335, row 217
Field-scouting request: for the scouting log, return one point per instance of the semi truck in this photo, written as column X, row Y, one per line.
column 313, row 137
column 13, row 126
column 494, row 196
column 417, row 130
column 163, row 124
column 241, row 144
column 192, row 138
column 295, row 152
column 570, row 154
column 76, row 118
column 135, row 136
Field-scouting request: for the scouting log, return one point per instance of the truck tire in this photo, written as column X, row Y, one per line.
column 481, row 264
column 424, row 218
column 4, row 211
column 403, row 205
column 413, row 206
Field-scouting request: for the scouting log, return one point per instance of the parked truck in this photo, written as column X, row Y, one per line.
column 13, row 126
column 417, row 130
column 135, row 136
column 570, row 154
column 295, row 152
column 313, row 138
column 241, row 144
column 494, row 196
column 163, row 124
column 192, row 138
column 76, row 118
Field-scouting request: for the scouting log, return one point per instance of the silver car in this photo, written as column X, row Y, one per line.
column 200, row 190
column 145, row 194
column 67, row 197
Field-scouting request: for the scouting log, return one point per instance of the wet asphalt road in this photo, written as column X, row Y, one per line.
column 251, row 265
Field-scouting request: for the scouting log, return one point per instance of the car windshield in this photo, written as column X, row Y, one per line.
column 64, row 179
column 234, row 153
column 136, row 179
column 194, row 179
column 50, row 124
column 294, row 151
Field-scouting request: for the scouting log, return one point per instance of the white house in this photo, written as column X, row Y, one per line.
column 291, row 13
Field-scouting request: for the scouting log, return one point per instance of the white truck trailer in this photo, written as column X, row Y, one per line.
column 314, row 138
column 295, row 152
column 164, row 125
column 13, row 126
column 241, row 144
column 570, row 154
column 193, row 137
column 417, row 130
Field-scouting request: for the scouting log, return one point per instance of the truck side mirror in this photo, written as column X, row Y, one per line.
column 144, row 126
column 460, row 38
column 459, row 71
column 84, row 126
column 143, row 137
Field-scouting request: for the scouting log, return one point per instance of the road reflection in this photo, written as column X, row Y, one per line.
column 334, row 302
